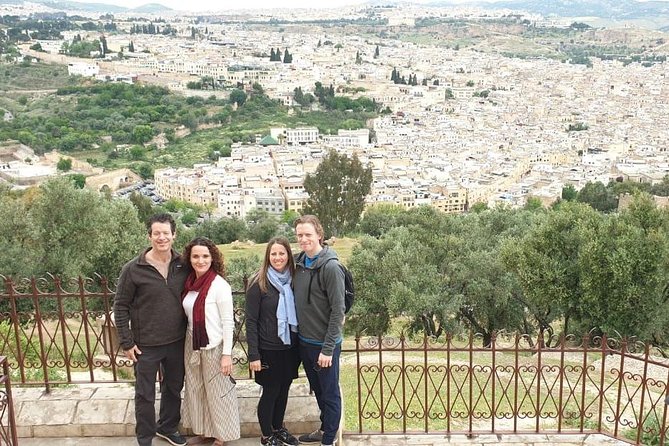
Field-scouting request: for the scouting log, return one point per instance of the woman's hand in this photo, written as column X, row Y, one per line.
column 255, row 366
column 226, row 365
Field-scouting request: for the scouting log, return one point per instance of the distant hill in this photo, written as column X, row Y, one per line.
column 65, row 5
column 611, row 9
column 150, row 8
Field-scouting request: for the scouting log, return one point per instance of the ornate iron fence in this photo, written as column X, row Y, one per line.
column 8, row 436
column 55, row 333
column 514, row 385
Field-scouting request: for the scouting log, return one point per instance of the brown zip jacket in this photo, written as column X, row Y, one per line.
column 147, row 307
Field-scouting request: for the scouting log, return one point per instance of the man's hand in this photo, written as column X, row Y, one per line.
column 255, row 366
column 324, row 360
column 132, row 353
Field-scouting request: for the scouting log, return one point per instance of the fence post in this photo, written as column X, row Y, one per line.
column 39, row 324
column 11, row 435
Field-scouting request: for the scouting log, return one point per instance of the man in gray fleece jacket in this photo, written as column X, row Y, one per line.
column 320, row 315
column 151, row 326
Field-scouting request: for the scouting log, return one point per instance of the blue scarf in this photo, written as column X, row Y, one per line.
column 285, row 311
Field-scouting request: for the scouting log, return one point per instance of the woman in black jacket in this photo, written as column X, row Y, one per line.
column 271, row 332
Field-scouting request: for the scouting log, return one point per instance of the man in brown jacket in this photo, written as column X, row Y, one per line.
column 151, row 326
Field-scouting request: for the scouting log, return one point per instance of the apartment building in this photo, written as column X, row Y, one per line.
column 270, row 200
column 190, row 185
column 348, row 138
column 299, row 135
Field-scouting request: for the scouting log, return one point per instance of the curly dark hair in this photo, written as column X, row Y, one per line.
column 217, row 261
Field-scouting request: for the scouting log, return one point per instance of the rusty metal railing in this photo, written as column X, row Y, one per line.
column 8, row 435
column 514, row 385
column 61, row 332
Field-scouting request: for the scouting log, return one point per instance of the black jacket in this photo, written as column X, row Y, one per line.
column 147, row 307
column 262, row 329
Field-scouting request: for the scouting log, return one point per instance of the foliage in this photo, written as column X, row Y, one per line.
column 448, row 269
column 262, row 226
column 85, row 114
column 239, row 268
column 545, row 263
column 83, row 117
column 82, row 48
column 392, row 279
column 79, row 180
column 237, row 96
column 569, row 193
column 64, row 164
column 569, row 269
column 578, row 127
column 337, row 192
column 19, row 77
column 66, row 231
column 380, row 218
column 598, row 196
column 223, row 230
column 623, row 273
column 143, row 205
column 651, row 431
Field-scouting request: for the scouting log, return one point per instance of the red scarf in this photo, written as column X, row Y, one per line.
column 201, row 285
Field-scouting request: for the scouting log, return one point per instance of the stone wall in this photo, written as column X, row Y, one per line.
column 97, row 410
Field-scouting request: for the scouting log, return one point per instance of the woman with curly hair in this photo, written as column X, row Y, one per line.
column 210, row 403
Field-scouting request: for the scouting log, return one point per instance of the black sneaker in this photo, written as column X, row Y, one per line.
column 314, row 437
column 174, row 438
column 285, row 437
column 269, row 441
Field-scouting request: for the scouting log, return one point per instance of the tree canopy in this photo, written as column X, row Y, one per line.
column 570, row 269
column 62, row 230
column 337, row 192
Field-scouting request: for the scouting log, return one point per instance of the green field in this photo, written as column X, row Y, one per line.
column 35, row 77
column 343, row 246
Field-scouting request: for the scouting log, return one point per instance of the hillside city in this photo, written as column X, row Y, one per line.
column 478, row 126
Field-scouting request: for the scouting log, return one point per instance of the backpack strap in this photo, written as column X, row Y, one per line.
column 311, row 279
column 318, row 277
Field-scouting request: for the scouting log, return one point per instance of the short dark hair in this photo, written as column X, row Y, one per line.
column 161, row 218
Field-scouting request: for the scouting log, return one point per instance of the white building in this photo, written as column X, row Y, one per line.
column 82, row 69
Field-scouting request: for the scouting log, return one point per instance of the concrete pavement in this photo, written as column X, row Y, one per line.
column 368, row 440
column 103, row 415
column 115, row 441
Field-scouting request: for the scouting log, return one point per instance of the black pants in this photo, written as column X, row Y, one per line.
column 170, row 359
column 272, row 407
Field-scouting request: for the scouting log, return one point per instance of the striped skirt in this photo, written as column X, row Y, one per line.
column 210, row 405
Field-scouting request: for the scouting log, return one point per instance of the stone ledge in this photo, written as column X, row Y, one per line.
column 480, row 440
column 108, row 410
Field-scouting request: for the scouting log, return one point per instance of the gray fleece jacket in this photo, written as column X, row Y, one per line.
column 320, row 315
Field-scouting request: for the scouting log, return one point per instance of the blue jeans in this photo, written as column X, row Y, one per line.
column 325, row 384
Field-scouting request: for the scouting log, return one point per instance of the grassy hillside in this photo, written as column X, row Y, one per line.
column 38, row 76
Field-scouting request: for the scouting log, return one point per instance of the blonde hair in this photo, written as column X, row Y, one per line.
column 315, row 222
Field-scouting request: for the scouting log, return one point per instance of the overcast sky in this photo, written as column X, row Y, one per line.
column 218, row 5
